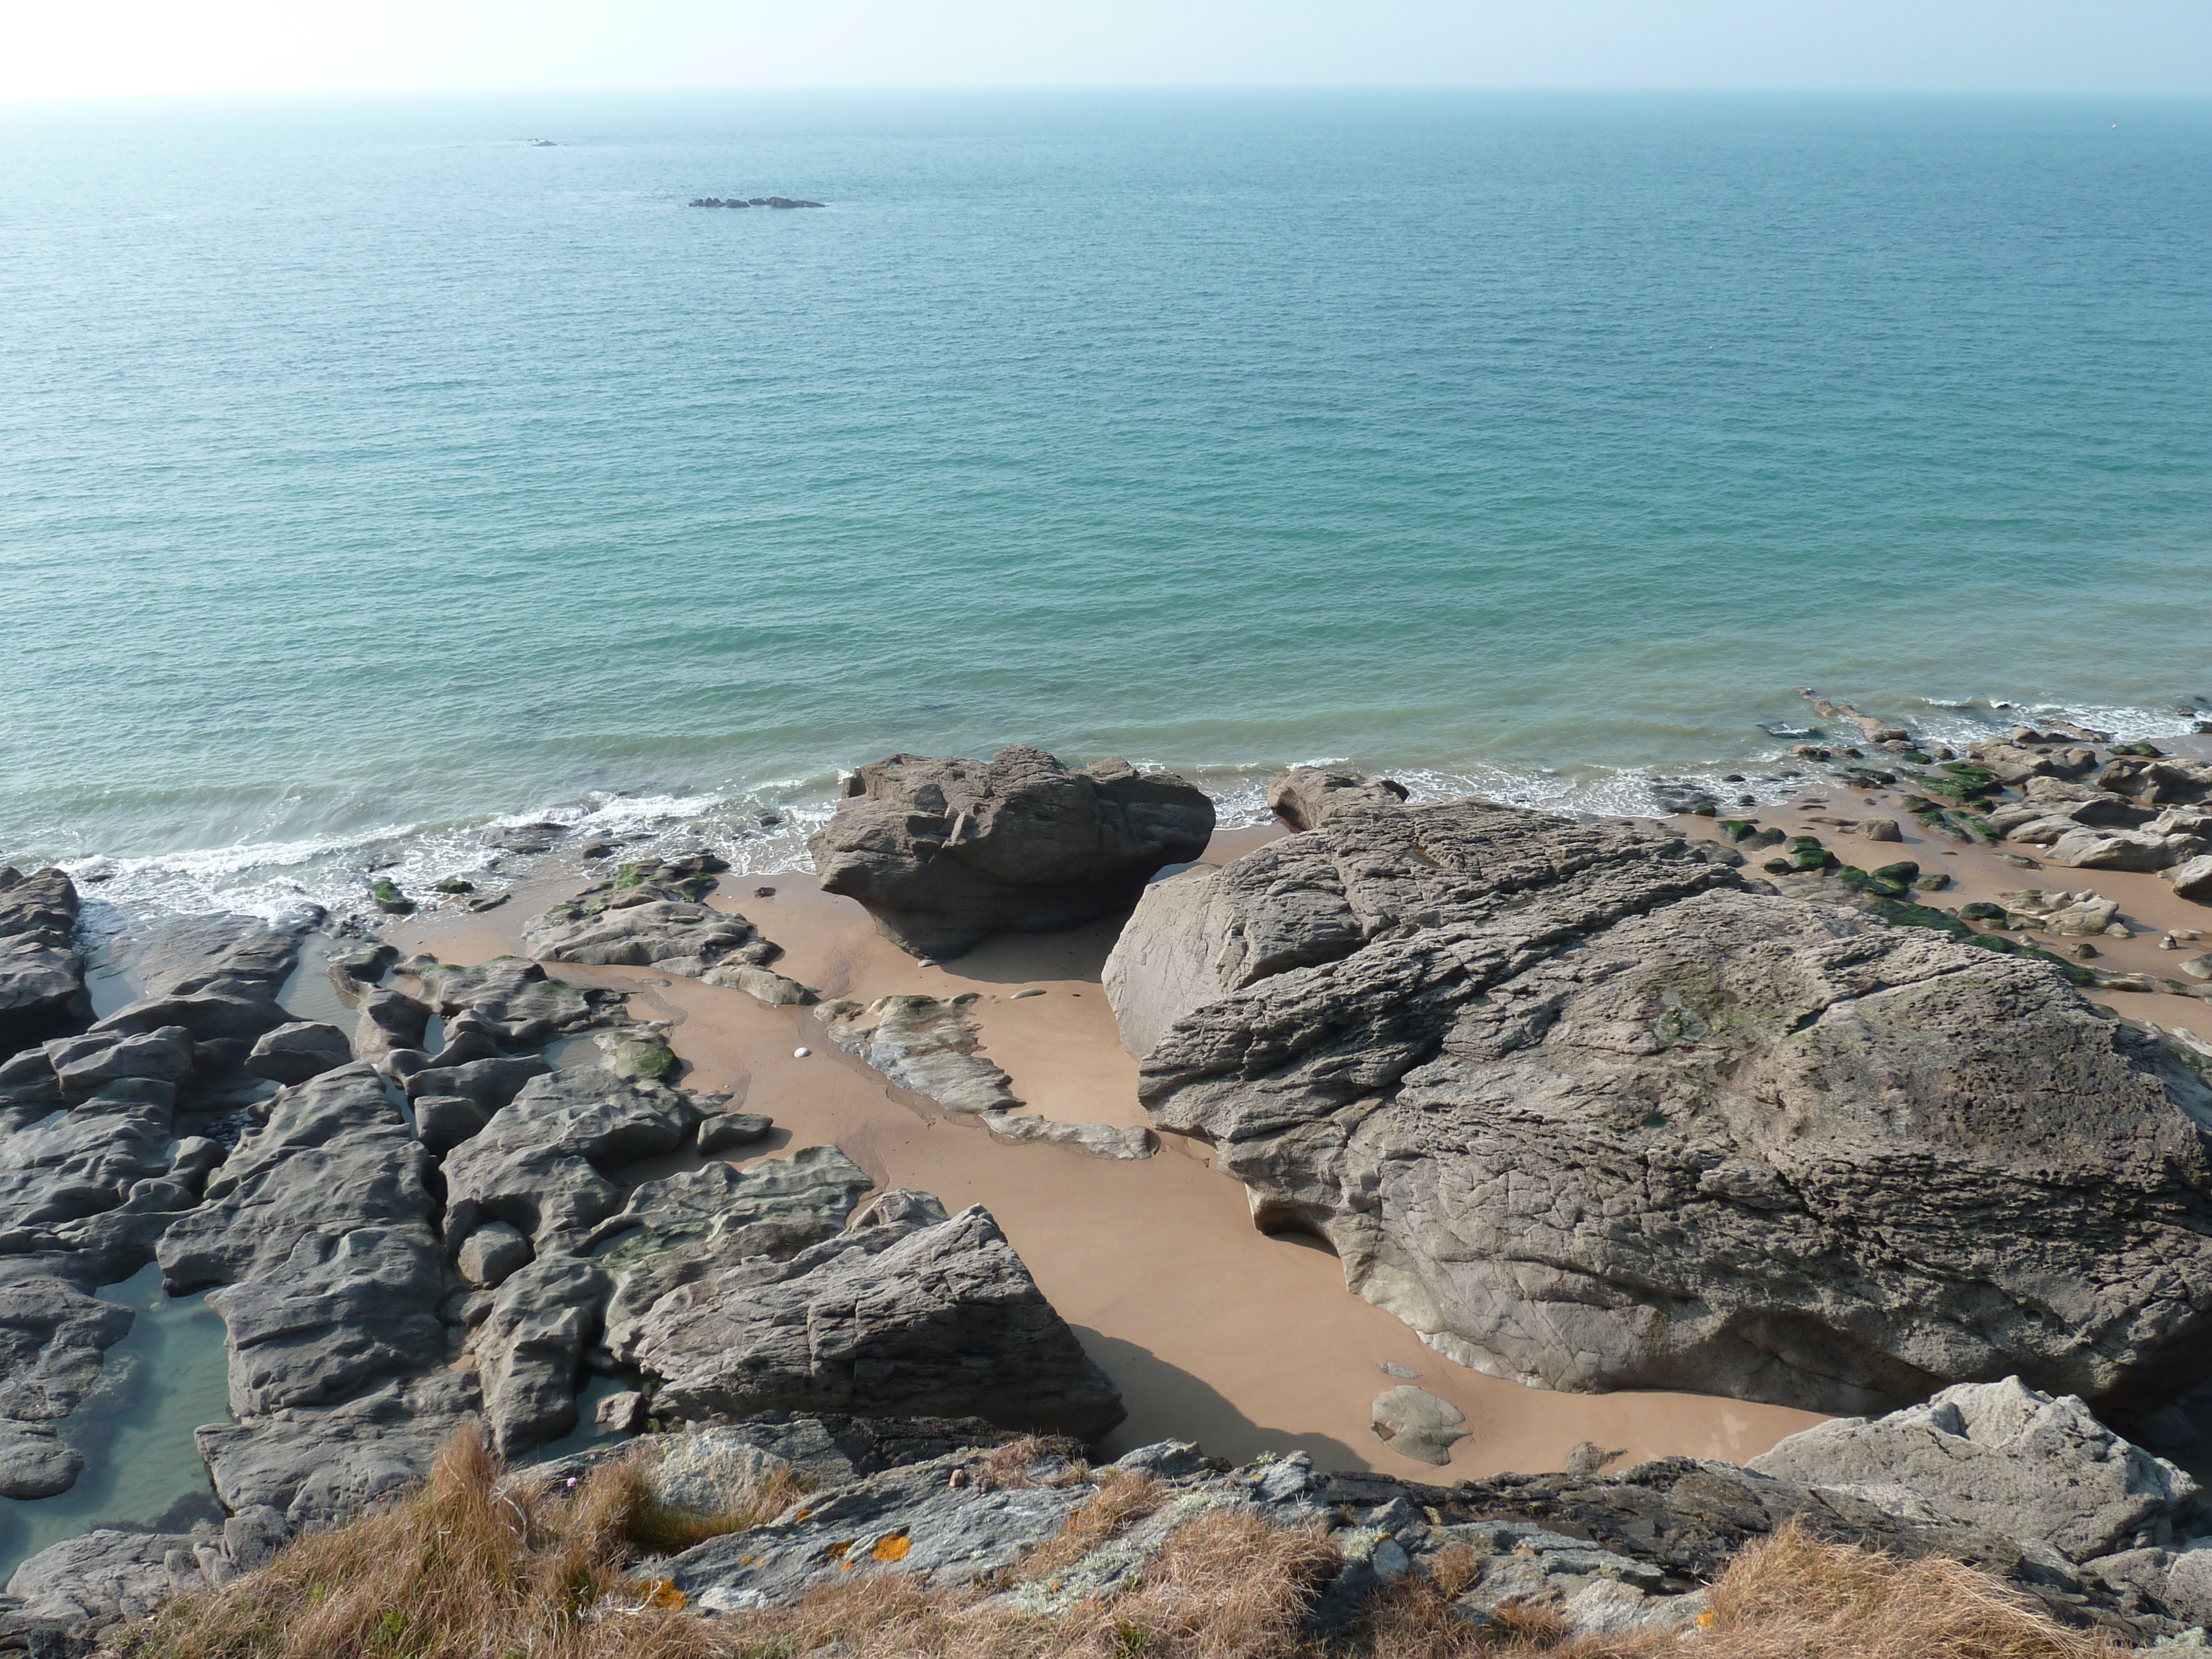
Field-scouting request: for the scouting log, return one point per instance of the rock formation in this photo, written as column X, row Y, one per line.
column 41, row 972
column 906, row 1311
column 1588, row 1111
column 924, row 1044
column 944, row 852
column 1604, row 1554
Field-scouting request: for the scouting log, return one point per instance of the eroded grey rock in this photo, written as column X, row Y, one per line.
column 910, row 1521
column 542, row 1164
column 319, row 1466
column 1098, row 1139
column 644, row 928
column 530, row 1352
column 317, row 1227
column 1731, row 1096
column 723, row 1131
column 297, row 1050
column 1416, row 1423
column 1305, row 796
column 514, row 999
column 41, row 972
column 764, row 983
column 490, row 1253
column 34, row 1460
column 936, row 1319
column 1998, row 1457
column 676, row 1230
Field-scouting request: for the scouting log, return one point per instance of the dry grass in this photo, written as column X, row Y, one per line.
column 664, row 1529
column 467, row 1567
column 1008, row 1466
column 1121, row 1499
column 458, row 1569
column 1792, row 1597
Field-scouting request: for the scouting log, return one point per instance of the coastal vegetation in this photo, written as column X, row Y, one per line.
column 476, row 1563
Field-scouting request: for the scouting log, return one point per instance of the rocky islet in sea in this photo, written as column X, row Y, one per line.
column 1386, row 1024
column 751, row 202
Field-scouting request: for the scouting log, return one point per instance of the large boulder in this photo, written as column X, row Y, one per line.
column 904, row 1313
column 2193, row 880
column 1588, row 1113
column 944, row 852
column 41, row 972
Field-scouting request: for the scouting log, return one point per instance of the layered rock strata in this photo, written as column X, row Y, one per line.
column 908, row 1309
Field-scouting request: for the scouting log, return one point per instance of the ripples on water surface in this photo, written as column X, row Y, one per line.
column 368, row 471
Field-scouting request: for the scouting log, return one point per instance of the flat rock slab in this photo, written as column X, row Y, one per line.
column 1098, row 1139
column 926, row 1044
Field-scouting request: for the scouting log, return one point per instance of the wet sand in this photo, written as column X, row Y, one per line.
column 1216, row 1333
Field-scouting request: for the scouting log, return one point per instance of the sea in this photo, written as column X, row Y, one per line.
column 374, row 472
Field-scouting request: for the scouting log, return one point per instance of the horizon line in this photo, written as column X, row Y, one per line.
column 9, row 102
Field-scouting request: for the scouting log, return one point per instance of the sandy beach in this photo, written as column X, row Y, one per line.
column 1242, row 1341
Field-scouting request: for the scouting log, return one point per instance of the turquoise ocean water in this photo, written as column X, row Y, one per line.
column 366, row 472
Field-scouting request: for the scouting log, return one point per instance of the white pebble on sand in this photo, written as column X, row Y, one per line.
column 800, row 1054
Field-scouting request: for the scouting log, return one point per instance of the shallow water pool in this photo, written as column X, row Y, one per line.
column 142, row 1473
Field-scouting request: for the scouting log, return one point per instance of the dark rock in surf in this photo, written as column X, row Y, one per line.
column 41, row 972
column 944, row 853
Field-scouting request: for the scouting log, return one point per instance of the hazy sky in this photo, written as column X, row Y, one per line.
column 70, row 48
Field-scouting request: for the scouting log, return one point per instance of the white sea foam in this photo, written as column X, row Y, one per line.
column 762, row 830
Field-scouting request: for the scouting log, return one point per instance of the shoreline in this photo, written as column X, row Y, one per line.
column 760, row 827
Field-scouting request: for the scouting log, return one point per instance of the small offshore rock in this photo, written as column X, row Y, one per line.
column 943, row 853
column 524, row 837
